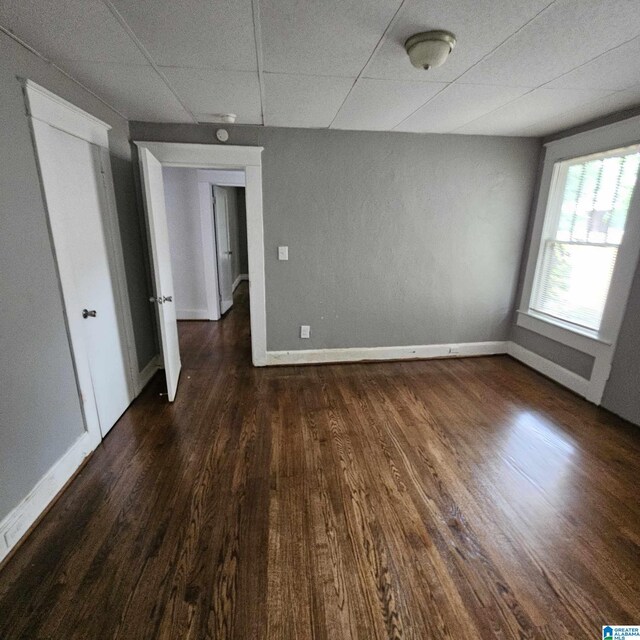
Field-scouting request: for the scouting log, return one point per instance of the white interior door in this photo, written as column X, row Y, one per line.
column 223, row 248
column 161, row 258
column 72, row 175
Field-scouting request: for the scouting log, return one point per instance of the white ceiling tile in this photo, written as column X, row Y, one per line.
column 612, row 70
column 207, row 92
column 479, row 26
column 72, row 29
column 137, row 91
column 303, row 101
column 194, row 33
column 610, row 104
column 322, row 37
column 582, row 51
column 540, row 104
column 457, row 105
column 382, row 104
column 566, row 35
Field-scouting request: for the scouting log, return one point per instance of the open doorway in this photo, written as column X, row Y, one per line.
column 221, row 226
column 206, row 220
column 230, row 242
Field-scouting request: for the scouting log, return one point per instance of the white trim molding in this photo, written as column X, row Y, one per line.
column 209, row 250
column 18, row 522
column 559, row 374
column 249, row 159
column 600, row 344
column 46, row 111
column 581, row 341
column 204, row 156
column 379, row 354
column 55, row 111
column 222, row 178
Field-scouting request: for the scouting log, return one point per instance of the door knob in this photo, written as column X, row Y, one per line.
column 158, row 300
column 89, row 314
column 167, row 299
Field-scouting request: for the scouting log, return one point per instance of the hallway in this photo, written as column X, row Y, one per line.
column 436, row 499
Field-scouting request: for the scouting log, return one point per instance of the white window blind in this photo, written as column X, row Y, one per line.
column 584, row 226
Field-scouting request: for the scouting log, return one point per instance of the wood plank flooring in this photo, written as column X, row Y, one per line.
column 467, row 498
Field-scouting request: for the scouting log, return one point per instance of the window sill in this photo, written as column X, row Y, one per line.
column 575, row 337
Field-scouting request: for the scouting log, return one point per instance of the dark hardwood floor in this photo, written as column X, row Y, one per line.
column 467, row 498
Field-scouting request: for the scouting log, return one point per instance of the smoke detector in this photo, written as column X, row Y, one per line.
column 429, row 49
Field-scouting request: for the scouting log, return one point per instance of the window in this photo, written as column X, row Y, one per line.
column 584, row 225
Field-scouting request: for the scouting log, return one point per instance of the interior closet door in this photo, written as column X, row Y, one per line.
column 223, row 248
column 162, row 275
column 73, row 177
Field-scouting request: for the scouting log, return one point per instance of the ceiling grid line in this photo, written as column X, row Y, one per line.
column 608, row 95
column 506, row 104
column 584, row 64
column 487, row 55
column 562, row 113
column 35, row 52
column 392, row 22
column 134, row 38
column 257, row 36
column 291, row 64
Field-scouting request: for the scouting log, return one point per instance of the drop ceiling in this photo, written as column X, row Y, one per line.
column 522, row 67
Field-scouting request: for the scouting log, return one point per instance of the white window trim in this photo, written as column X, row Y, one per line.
column 601, row 344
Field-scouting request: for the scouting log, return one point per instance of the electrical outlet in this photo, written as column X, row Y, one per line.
column 305, row 331
column 283, row 253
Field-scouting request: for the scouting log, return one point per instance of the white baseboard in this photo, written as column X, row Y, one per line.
column 239, row 279
column 147, row 373
column 193, row 314
column 17, row 522
column 559, row 374
column 364, row 354
column 424, row 352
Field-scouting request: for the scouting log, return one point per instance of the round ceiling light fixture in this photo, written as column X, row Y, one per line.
column 429, row 49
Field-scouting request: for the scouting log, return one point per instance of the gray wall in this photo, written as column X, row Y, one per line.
column 40, row 415
column 394, row 239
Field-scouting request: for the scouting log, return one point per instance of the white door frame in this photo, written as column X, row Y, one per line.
column 44, row 107
column 209, row 250
column 248, row 159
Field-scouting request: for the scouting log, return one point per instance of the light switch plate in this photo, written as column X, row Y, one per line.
column 283, row 253
column 305, row 331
